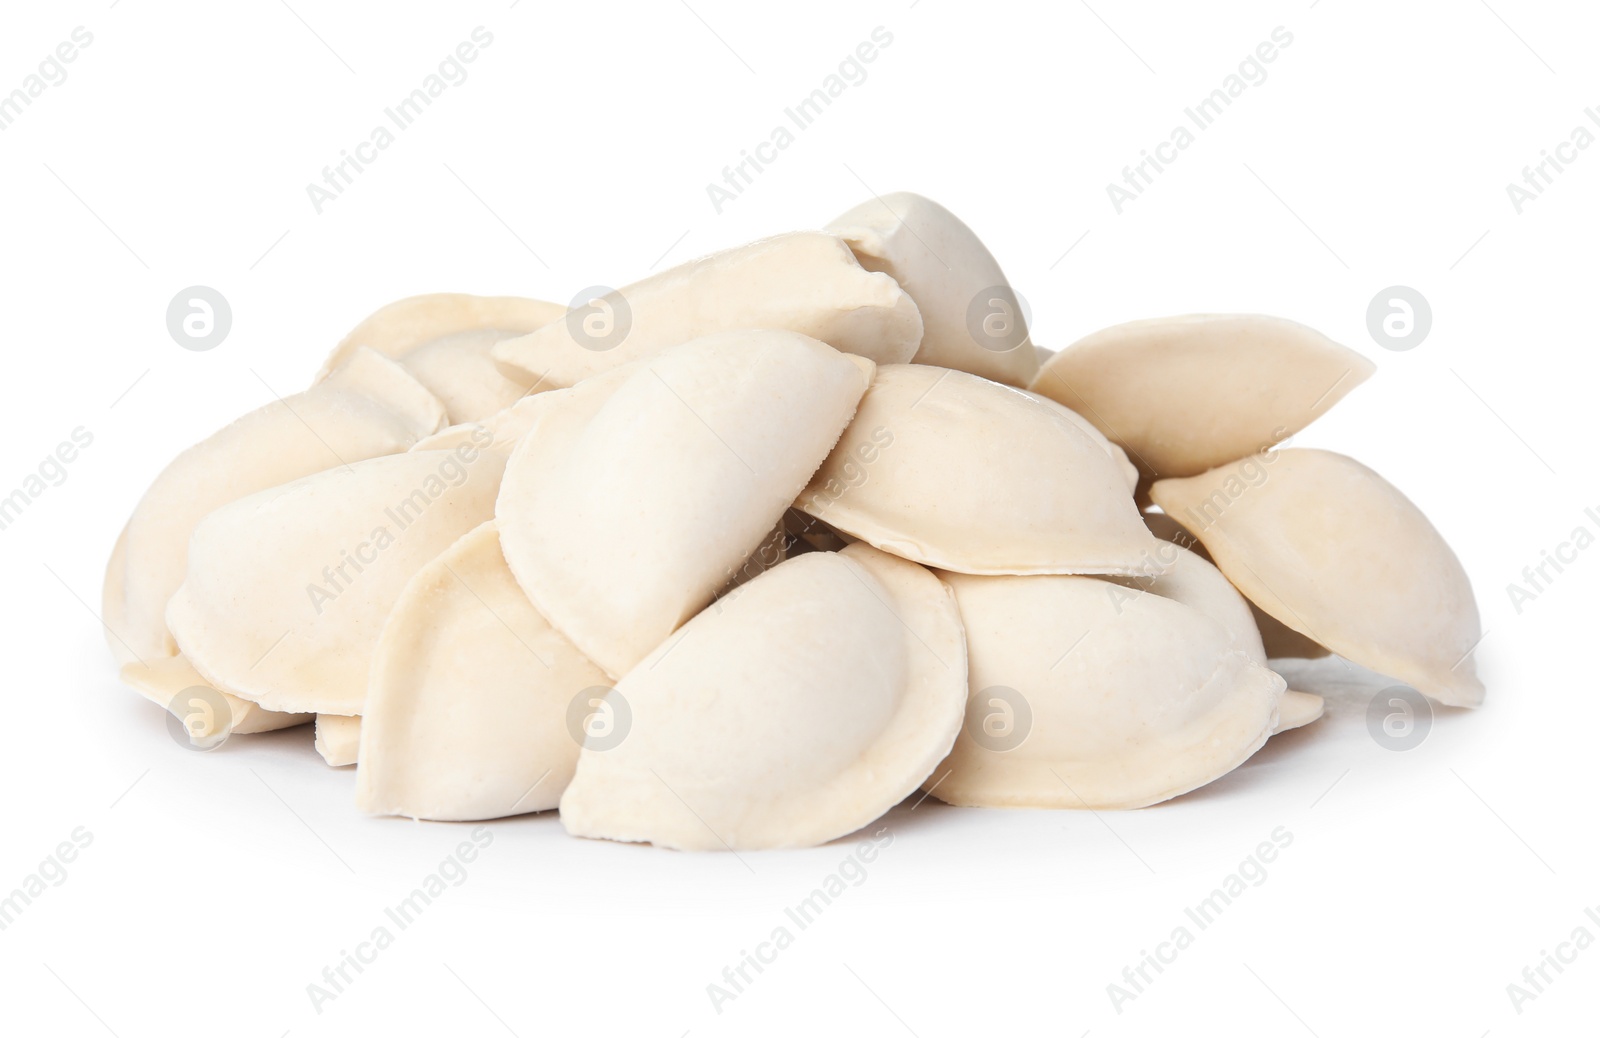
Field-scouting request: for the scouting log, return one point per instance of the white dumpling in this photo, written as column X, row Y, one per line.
column 470, row 708
column 1082, row 697
column 1130, row 471
column 287, row 589
column 1184, row 394
column 1336, row 552
column 1278, row 641
column 971, row 317
column 459, row 370
column 637, row 494
column 958, row 472
column 796, row 711
column 1297, row 710
column 370, row 407
column 338, row 739
column 1198, row 584
column 444, row 339
column 208, row 714
column 807, row 282
column 498, row 432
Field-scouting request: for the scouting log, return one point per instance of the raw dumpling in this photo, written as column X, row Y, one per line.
column 287, row 589
column 954, row 471
column 1085, row 698
column 444, row 339
column 636, row 495
column 1297, row 710
column 1278, row 641
column 460, row 371
column 1335, row 552
column 1199, row 585
column 498, row 432
column 469, row 712
column 971, row 318
column 801, row 709
column 807, row 282
column 1283, row 642
column 1185, row 394
column 207, row 714
column 1196, row 583
column 370, row 407
column 338, row 739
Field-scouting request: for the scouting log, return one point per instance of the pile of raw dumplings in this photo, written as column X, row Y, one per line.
column 743, row 554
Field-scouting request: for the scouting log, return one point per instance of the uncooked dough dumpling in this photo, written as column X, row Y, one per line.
column 637, row 494
column 1279, row 641
column 338, row 739
column 444, row 339
column 208, row 714
column 1185, row 394
column 370, row 407
column 287, row 589
column 971, row 317
column 807, row 282
column 420, row 328
column 1297, row 710
column 459, row 370
column 498, row 432
column 958, row 472
column 1085, row 699
column 800, row 709
column 468, row 712
column 1196, row 583
column 1199, row 585
column 1337, row 553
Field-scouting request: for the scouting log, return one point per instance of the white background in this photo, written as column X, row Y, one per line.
column 1377, row 152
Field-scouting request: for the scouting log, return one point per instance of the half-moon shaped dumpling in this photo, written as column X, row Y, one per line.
column 971, row 318
column 444, row 339
column 1334, row 551
column 955, row 471
column 1278, row 641
column 1199, row 585
column 807, row 282
column 462, row 374
column 338, row 739
column 1297, row 710
column 498, row 432
column 636, row 495
column 800, row 709
column 209, row 715
column 1087, row 699
column 1130, row 471
column 1282, row 642
column 370, row 407
column 287, row 589
column 1185, row 394
column 468, row 711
